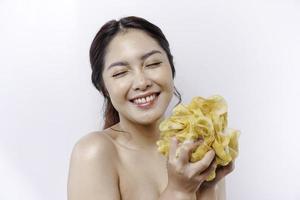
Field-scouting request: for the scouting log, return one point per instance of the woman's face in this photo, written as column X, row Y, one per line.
column 138, row 77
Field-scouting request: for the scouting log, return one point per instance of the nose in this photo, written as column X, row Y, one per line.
column 141, row 82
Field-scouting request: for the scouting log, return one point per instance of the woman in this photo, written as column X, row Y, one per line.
column 132, row 67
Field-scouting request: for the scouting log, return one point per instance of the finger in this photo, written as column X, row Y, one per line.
column 223, row 171
column 173, row 147
column 204, row 163
column 204, row 175
column 194, row 146
column 187, row 147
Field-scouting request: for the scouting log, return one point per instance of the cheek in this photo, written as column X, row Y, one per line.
column 164, row 78
column 117, row 89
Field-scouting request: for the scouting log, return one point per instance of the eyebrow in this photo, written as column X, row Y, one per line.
column 143, row 57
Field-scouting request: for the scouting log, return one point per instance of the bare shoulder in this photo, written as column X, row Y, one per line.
column 94, row 145
column 92, row 172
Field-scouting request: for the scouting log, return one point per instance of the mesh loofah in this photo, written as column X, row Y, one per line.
column 201, row 119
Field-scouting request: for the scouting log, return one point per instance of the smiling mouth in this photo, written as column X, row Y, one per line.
column 145, row 101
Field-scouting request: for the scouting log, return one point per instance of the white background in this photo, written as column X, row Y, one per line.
column 246, row 51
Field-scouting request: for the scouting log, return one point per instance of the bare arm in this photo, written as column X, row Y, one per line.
column 92, row 172
column 207, row 193
column 221, row 194
column 213, row 193
column 169, row 194
column 216, row 192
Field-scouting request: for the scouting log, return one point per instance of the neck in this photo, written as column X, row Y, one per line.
column 140, row 136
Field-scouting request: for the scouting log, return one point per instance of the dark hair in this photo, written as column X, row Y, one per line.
column 98, row 50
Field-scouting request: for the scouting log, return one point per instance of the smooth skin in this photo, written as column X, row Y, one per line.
column 113, row 165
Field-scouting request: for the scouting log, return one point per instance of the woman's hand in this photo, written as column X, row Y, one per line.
column 186, row 177
column 221, row 172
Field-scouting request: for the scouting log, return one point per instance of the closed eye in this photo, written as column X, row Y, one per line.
column 153, row 64
column 119, row 74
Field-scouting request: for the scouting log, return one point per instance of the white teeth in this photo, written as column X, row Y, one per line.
column 144, row 99
column 152, row 97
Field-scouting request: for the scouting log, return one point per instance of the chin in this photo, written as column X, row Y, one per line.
column 148, row 121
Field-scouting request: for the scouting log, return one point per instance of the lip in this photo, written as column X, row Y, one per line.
column 144, row 95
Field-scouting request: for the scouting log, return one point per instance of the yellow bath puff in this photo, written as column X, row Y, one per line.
column 201, row 119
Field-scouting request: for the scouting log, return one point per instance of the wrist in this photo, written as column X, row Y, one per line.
column 208, row 185
column 176, row 194
column 184, row 196
column 207, row 192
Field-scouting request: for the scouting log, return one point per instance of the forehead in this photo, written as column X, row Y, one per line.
column 129, row 46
